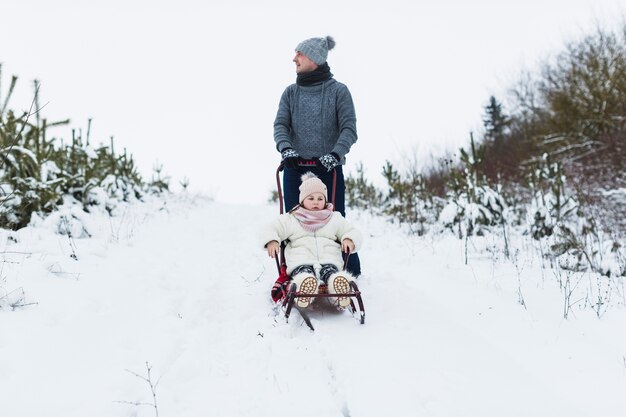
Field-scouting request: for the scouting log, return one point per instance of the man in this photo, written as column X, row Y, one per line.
column 316, row 122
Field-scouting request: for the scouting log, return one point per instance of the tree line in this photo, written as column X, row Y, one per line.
column 40, row 171
column 550, row 160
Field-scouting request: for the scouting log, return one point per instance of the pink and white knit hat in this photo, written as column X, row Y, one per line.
column 311, row 184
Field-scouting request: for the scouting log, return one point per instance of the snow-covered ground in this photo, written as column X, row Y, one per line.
column 184, row 287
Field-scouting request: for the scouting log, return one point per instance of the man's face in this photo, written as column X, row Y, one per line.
column 303, row 63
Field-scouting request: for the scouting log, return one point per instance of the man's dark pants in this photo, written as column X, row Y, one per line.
column 291, row 192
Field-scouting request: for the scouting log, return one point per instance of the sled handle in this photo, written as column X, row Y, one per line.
column 345, row 262
column 281, row 166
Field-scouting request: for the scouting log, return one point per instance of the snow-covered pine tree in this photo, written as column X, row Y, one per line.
column 362, row 194
column 38, row 173
column 473, row 205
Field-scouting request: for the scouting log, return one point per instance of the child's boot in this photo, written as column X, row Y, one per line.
column 305, row 284
column 339, row 283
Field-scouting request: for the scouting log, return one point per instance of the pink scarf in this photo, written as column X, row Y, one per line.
column 312, row 220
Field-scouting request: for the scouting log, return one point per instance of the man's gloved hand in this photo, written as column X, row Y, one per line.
column 290, row 158
column 330, row 161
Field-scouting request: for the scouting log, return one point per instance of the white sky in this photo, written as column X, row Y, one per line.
column 195, row 84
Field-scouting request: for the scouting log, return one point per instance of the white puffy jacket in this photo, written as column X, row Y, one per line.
column 312, row 248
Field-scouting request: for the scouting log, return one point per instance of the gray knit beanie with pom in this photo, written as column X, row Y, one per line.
column 316, row 49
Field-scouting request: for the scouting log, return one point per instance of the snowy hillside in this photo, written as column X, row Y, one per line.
column 184, row 287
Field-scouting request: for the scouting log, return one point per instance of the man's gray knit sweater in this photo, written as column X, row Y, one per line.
column 316, row 120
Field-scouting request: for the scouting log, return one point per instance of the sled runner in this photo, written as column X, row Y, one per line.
column 285, row 291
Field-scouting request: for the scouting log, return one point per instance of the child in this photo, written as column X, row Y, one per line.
column 316, row 236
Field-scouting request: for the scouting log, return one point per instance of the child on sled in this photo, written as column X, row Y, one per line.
column 316, row 236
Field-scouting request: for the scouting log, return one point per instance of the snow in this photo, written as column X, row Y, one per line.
column 181, row 284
